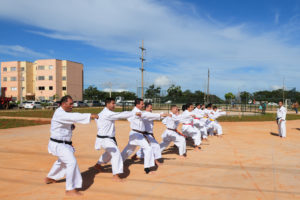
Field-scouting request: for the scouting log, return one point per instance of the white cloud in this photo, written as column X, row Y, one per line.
column 162, row 81
column 20, row 51
column 186, row 43
column 276, row 87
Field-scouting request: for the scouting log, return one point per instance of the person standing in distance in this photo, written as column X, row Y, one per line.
column 281, row 120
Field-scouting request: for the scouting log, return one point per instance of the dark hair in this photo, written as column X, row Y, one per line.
column 183, row 107
column 208, row 105
column 197, row 104
column 137, row 101
column 64, row 99
column 147, row 104
column 108, row 100
column 280, row 101
column 188, row 105
column 173, row 106
column 215, row 107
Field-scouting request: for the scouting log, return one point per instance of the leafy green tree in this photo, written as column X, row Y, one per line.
column 152, row 92
column 174, row 93
column 229, row 96
column 245, row 97
column 91, row 93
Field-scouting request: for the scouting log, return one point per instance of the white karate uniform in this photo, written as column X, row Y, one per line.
column 154, row 144
column 281, row 116
column 66, row 165
column 200, row 122
column 188, row 128
column 214, row 123
column 106, row 127
column 208, row 124
column 138, row 139
column 172, row 136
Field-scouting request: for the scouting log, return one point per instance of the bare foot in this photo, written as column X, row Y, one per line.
column 197, row 148
column 117, row 178
column 98, row 167
column 182, row 157
column 73, row 193
column 150, row 173
column 49, row 180
column 158, row 163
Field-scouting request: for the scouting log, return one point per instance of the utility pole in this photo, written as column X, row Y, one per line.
column 142, row 68
column 283, row 91
column 207, row 90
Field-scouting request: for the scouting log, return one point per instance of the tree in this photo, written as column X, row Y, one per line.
column 229, row 96
column 126, row 94
column 245, row 97
column 174, row 92
column 91, row 92
column 152, row 92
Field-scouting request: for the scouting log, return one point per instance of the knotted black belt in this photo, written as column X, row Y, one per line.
column 61, row 141
column 144, row 133
column 113, row 138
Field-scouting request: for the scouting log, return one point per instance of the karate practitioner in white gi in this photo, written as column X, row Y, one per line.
column 208, row 111
column 106, row 138
column 216, row 127
column 281, row 120
column 200, row 121
column 149, row 129
column 171, row 134
column 188, row 128
column 137, row 136
column 60, row 145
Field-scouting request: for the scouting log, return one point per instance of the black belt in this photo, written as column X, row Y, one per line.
column 147, row 133
column 172, row 129
column 61, row 141
column 144, row 133
column 113, row 138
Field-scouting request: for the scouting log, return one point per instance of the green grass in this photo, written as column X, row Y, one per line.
column 13, row 123
column 254, row 118
column 48, row 113
column 95, row 110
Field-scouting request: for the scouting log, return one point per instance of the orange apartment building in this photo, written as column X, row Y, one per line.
column 48, row 79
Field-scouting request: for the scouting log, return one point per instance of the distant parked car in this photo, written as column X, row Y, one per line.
column 93, row 103
column 32, row 105
column 79, row 104
column 21, row 105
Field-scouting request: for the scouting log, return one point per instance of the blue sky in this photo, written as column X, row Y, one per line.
column 248, row 45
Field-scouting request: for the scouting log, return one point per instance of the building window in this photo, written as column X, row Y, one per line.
column 22, row 69
column 13, row 78
column 41, row 88
column 64, row 88
column 50, row 67
column 41, row 67
column 5, row 69
column 64, row 78
column 4, row 78
column 50, row 78
column 12, row 69
column 41, row 78
column 50, row 87
column 13, row 88
column 22, row 78
column 64, row 67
